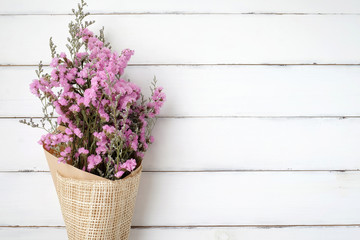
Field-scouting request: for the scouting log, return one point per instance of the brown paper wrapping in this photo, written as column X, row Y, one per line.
column 94, row 207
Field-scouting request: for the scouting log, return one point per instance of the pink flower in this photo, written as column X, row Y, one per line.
column 70, row 76
column 140, row 154
column 89, row 95
column 100, row 135
column 63, row 101
column 86, row 34
column 93, row 160
column 108, row 129
column 74, row 108
column 101, row 149
column 135, row 143
column 80, row 81
column 128, row 52
column 55, row 62
column 68, row 131
column 66, row 151
column 104, row 115
column 83, row 74
column 158, row 99
column 82, row 55
column 34, row 87
column 83, row 151
column 54, row 76
column 62, row 55
column 129, row 164
column 119, row 174
column 78, row 132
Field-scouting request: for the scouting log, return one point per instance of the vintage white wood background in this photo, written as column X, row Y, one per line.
column 259, row 138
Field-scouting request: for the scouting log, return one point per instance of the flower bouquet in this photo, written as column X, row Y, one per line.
column 96, row 144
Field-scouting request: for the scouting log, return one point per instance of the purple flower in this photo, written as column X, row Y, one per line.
column 119, row 174
column 80, row 81
column 74, row 108
column 62, row 55
column 89, row 95
column 129, row 164
column 55, row 62
column 78, row 132
column 101, row 111
column 68, row 131
column 66, row 151
column 63, row 101
column 34, row 87
column 93, row 160
column 108, row 129
column 83, row 151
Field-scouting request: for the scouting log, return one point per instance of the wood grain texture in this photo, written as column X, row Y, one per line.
column 232, row 162
column 173, row 199
column 197, row 144
column 193, row 39
column 220, row 90
column 33, row 233
column 185, row 6
column 243, row 233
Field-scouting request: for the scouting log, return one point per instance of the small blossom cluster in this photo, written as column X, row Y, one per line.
column 105, row 121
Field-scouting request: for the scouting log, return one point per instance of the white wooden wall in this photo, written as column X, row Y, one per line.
column 259, row 138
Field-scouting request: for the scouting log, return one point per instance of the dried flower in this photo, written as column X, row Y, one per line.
column 106, row 118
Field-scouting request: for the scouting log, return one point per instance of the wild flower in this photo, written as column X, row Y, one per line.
column 106, row 120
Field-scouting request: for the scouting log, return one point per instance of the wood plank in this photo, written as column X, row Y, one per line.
column 198, row 144
column 194, row 39
column 185, row 6
column 217, row 198
column 19, row 233
column 243, row 233
column 221, row 90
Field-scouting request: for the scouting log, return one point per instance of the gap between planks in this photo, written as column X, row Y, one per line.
column 179, row 13
column 207, row 64
column 229, row 116
column 207, row 226
column 207, row 171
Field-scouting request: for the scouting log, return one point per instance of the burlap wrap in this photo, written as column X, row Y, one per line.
column 94, row 209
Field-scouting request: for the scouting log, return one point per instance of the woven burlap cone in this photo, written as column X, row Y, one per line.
column 94, row 207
